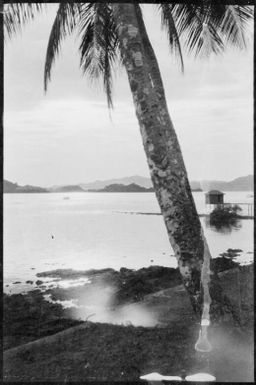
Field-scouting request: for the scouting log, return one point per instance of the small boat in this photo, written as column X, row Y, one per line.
column 66, row 198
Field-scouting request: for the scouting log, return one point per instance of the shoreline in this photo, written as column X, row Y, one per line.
column 202, row 215
column 107, row 296
column 42, row 346
column 72, row 278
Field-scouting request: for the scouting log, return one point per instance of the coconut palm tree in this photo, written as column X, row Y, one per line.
column 115, row 32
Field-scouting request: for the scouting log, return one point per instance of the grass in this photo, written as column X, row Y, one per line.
column 87, row 351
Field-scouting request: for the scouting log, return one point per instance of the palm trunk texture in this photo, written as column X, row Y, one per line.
column 164, row 156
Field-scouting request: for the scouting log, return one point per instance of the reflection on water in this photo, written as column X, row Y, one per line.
column 226, row 228
column 90, row 232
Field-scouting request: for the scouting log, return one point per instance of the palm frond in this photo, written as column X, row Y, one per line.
column 63, row 25
column 169, row 24
column 208, row 41
column 196, row 24
column 92, row 27
column 99, row 48
column 210, row 26
column 234, row 23
column 184, row 17
column 17, row 14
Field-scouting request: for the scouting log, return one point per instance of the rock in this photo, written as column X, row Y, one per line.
column 222, row 264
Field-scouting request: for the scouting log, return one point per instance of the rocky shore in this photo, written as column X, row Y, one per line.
column 40, row 312
column 123, row 324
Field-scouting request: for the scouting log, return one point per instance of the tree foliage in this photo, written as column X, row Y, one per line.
column 225, row 216
column 203, row 28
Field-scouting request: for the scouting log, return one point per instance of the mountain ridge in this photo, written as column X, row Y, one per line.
column 117, row 187
column 66, row 188
column 244, row 183
column 10, row 187
column 137, row 179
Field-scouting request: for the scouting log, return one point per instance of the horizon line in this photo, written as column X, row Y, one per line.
column 124, row 177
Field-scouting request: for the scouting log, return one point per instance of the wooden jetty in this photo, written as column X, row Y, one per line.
column 249, row 206
column 215, row 198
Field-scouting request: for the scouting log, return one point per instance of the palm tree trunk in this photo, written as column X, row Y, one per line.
column 164, row 157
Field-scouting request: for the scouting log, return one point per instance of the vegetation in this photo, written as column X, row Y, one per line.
column 115, row 33
column 117, row 187
column 9, row 187
column 225, row 216
column 130, row 285
column 105, row 352
column 109, row 353
column 29, row 317
column 225, row 261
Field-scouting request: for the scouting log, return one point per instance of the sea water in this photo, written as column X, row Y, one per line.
column 82, row 231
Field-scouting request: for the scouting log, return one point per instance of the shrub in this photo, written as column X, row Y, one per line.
column 225, row 216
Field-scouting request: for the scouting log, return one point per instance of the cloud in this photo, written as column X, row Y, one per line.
column 75, row 135
column 210, row 105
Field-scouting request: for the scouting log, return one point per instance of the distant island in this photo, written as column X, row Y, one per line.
column 10, row 188
column 244, row 183
column 68, row 188
column 133, row 187
column 131, row 184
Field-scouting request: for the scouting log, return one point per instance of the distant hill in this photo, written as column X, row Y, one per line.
column 68, row 188
column 195, row 186
column 9, row 187
column 100, row 184
column 134, row 183
column 244, row 183
column 31, row 189
column 133, row 187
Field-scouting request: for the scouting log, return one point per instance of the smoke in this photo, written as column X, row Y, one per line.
column 135, row 314
column 97, row 305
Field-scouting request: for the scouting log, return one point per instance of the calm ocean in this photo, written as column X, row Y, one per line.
column 96, row 230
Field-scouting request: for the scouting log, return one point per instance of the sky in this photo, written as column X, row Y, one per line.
column 68, row 136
